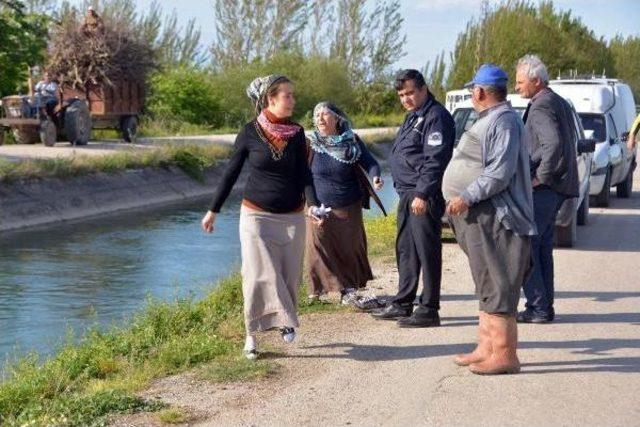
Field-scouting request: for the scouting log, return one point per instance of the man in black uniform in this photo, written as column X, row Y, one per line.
column 420, row 154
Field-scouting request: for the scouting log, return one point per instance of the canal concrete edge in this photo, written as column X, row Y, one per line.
column 34, row 203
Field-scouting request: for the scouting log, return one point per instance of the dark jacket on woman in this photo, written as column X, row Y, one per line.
column 336, row 183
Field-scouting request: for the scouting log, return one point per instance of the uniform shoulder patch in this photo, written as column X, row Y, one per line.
column 434, row 138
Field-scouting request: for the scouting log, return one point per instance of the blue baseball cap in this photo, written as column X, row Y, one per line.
column 490, row 75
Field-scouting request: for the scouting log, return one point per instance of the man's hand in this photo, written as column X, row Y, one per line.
column 457, row 206
column 419, row 206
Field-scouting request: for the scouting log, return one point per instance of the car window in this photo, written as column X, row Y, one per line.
column 596, row 123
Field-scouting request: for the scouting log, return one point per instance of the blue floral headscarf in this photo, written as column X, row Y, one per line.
column 343, row 147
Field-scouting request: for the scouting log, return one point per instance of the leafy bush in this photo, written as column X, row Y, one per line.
column 185, row 94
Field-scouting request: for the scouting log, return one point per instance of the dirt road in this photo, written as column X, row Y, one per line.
column 348, row 369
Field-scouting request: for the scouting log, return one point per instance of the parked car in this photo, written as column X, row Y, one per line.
column 574, row 211
column 607, row 109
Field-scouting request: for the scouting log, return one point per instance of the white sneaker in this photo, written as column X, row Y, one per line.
column 288, row 334
column 349, row 297
column 250, row 350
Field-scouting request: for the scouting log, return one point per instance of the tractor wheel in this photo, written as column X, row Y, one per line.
column 129, row 128
column 26, row 135
column 48, row 133
column 77, row 123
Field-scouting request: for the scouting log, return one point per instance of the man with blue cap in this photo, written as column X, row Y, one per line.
column 488, row 191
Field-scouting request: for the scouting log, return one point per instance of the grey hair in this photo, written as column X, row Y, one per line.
column 535, row 68
column 499, row 92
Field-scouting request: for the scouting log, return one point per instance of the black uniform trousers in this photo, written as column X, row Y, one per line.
column 419, row 247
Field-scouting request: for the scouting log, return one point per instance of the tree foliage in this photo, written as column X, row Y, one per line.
column 23, row 36
column 365, row 35
column 626, row 57
column 506, row 32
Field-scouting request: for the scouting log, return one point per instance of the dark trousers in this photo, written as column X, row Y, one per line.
column 418, row 247
column 539, row 288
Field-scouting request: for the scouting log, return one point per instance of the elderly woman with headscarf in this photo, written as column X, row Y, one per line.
column 272, row 224
column 337, row 252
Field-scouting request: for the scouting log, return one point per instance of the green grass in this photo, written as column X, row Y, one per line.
column 173, row 416
column 192, row 159
column 236, row 368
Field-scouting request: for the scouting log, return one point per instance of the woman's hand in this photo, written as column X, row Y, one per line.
column 316, row 221
column 207, row 221
column 377, row 183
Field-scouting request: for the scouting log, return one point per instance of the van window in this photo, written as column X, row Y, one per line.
column 596, row 123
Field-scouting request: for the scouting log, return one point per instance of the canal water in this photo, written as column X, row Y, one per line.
column 73, row 276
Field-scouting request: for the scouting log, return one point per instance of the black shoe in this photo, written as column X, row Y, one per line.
column 392, row 312
column 528, row 316
column 420, row 321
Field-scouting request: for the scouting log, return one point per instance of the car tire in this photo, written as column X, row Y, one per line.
column 602, row 199
column 566, row 236
column 624, row 189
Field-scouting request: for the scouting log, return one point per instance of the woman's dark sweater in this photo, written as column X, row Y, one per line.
column 336, row 183
column 277, row 186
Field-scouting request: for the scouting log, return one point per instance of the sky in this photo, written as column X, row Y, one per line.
column 432, row 26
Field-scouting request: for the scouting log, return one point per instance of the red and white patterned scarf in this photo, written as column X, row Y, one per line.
column 277, row 129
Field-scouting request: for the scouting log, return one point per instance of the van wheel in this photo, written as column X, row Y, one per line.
column 602, row 199
column 624, row 189
column 566, row 236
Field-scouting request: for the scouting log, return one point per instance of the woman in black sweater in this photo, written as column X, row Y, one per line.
column 272, row 225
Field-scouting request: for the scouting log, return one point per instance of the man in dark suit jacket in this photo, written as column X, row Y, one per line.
column 420, row 154
column 550, row 135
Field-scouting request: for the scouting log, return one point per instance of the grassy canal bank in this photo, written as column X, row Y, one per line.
column 191, row 158
column 99, row 375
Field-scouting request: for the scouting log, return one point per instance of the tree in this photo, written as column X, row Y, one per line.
column 436, row 77
column 254, row 30
column 512, row 29
column 626, row 56
column 23, row 38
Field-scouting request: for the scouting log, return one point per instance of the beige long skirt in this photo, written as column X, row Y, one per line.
column 272, row 247
column 337, row 251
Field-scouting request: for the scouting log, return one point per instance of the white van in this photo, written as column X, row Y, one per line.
column 607, row 109
column 573, row 211
column 455, row 97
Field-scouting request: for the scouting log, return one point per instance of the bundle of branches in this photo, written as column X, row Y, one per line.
column 78, row 56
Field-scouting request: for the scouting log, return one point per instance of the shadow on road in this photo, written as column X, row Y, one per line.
column 595, row 347
column 590, row 295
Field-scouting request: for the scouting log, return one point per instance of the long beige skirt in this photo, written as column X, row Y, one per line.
column 272, row 247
